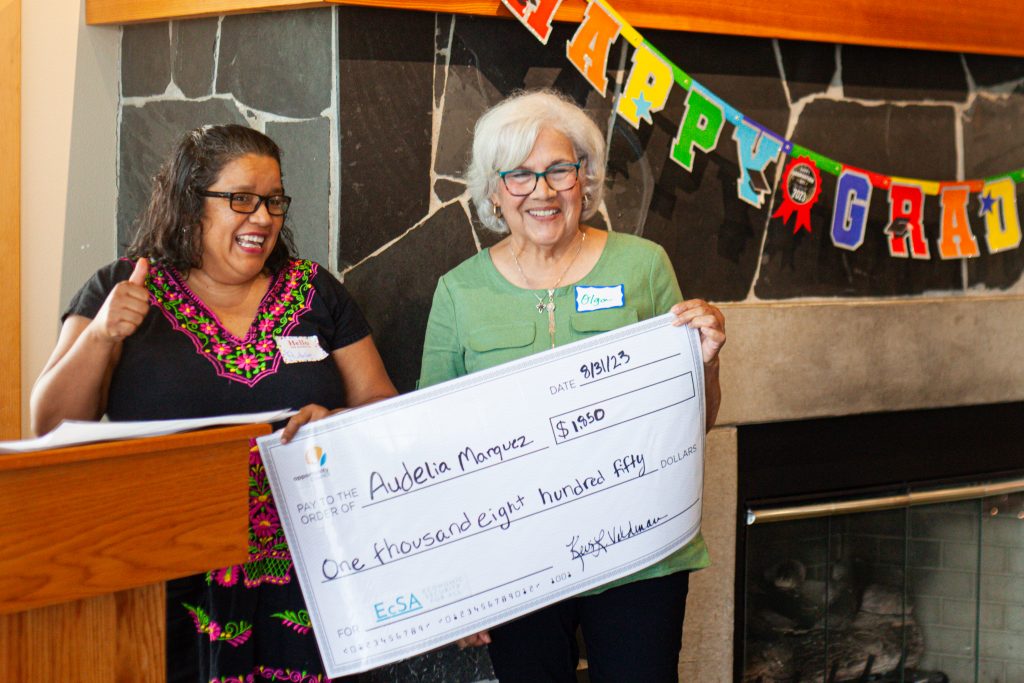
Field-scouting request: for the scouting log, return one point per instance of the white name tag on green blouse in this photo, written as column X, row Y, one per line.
column 300, row 349
column 433, row 515
column 598, row 298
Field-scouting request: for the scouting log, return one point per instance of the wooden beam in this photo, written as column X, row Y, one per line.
column 983, row 26
column 10, row 219
column 133, row 11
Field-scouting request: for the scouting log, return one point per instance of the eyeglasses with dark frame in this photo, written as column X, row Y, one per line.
column 521, row 182
column 250, row 202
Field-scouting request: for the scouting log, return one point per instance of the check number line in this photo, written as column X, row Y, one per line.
column 420, row 613
column 457, row 476
column 635, row 367
column 511, row 521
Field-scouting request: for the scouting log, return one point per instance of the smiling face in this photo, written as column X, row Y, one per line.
column 545, row 217
column 236, row 245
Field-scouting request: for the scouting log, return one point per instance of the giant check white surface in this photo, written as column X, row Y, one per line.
column 436, row 514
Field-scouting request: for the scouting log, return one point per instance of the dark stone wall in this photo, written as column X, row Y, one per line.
column 274, row 72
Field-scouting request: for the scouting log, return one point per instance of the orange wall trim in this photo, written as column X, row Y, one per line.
column 991, row 27
column 10, row 219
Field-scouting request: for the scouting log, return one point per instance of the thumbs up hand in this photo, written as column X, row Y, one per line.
column 125, row 308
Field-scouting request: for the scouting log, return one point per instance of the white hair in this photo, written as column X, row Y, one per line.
column 505, row 135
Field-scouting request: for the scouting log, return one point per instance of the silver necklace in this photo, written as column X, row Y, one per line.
column 548, row 305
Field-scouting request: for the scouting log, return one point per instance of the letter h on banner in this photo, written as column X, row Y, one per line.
column 535, row 15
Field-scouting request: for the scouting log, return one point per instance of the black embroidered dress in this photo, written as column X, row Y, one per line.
column 246, row 623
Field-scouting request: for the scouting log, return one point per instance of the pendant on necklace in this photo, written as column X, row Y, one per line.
column 541, row 307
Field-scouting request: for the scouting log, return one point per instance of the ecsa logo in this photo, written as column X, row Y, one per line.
column 316, row 457
column 402, row 604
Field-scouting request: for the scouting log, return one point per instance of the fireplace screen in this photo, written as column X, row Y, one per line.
column 893, row 589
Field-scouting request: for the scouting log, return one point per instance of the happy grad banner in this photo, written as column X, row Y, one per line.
column 646, row 92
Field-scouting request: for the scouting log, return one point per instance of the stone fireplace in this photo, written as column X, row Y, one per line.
column 873, row 546
column 374, row 109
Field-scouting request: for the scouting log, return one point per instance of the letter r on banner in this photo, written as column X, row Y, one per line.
column 701, row 126
column 647, row 88
column 536, row 15
column 588, row 49
column 906, row 216
column 955, row 238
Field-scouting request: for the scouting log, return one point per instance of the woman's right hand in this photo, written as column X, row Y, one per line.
column 125, row 308
column 475, row 640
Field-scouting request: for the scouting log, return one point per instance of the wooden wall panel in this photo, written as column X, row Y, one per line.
column 10, row 219
column 992, row 26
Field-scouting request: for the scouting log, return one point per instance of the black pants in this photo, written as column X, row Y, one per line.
column 633, row 633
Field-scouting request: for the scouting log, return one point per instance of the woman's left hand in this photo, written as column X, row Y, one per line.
column 306, row 414
column 708, row 321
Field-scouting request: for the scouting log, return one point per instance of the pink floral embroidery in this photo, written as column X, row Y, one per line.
column 266, row 673
column 234, row 633
column 265, row 522
column 246, row 362
column 254, row 357
column 269, row 558
column 297, row 621
column 226, row 577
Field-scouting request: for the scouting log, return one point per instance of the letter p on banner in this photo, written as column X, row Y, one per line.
column 536, row 15
column 647, row 87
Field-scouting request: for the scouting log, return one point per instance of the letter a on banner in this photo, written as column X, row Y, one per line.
column 756, row 150
column 536, row 15
column 955, row 238
column 647, row 88
column 588, row 49
column 850, row 212
column 906, row 215
column 701, row 126
column 999, row 207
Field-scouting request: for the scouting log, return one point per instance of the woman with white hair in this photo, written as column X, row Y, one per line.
column 536, row 174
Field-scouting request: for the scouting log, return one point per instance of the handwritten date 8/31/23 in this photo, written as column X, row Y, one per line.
column 593, row 369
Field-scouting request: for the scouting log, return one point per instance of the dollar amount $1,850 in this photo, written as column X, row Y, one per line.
column 580, row 423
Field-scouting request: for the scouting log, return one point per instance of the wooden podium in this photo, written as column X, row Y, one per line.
column 89, row 534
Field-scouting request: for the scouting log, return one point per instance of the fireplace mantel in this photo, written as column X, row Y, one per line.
column 988, row 27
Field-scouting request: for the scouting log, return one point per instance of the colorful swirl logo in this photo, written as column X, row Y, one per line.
column 316, row 456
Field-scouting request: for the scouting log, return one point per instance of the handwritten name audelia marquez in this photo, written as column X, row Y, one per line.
column 406, row 479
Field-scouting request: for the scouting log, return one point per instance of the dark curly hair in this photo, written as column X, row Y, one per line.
column 170, row 229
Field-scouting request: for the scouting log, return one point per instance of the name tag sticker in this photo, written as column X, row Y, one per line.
column 599, row 298
column 300, row 349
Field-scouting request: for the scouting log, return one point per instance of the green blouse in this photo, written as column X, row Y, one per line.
column 478, row 319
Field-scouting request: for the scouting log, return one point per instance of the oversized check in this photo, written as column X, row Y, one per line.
column 430, row 516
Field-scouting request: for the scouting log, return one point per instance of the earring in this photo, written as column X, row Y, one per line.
column 586, row 199
column 496, row 210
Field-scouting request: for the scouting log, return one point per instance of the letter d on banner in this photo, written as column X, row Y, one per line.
column 999, row 207
column 536, row 15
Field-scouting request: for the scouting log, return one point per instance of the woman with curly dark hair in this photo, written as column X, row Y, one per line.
column 212, row 314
